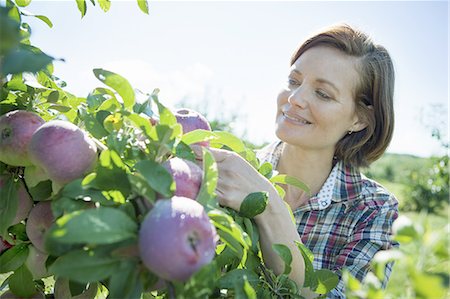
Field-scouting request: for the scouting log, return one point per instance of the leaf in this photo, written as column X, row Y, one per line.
column 290, row 180
column 23, row 3
column 197, row 136
column 8, row 204
column 84, row 266
column 228, row 280
column 25, row 59
column 254, row 204
column 207, row 195
column 81, row 4
column 327, row 280
column 143, row 5
column 13, row 258
column 266, row 170
column 308, row 257
column 119, row 84
column 285, row 253
column 123, row 281
column 157, row 177
column 104, row 4
column 21, row 282
column 140, row 185
column 45, row 19
column 102, row 225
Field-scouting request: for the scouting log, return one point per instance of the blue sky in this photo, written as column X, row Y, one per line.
column 232, row 58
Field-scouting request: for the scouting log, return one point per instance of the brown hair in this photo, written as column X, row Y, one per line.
column 373, row 94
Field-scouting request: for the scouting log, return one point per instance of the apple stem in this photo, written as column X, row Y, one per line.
column 171, row 290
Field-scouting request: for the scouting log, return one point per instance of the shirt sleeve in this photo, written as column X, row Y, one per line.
column 372, row 233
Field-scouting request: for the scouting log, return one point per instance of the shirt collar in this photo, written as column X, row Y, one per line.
column 342, row 185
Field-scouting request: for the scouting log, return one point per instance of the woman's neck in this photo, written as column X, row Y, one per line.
column 310, row 167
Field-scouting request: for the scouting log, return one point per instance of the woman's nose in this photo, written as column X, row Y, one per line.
column 298, row 97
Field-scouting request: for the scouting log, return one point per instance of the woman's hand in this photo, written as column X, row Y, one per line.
column 237, row 178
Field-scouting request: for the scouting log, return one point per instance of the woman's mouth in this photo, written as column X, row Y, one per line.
column 296, row 119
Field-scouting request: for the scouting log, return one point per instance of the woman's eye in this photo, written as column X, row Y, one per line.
column 323, row 94
column 293, row 82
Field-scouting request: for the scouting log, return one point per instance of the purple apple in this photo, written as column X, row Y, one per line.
column 24, row 203
column 187, row 176
column 176, row 238
column 4, row 245
column 36, row 263
column 39, row 221
column 191, row 120
column 63, row 151
column 16, row 129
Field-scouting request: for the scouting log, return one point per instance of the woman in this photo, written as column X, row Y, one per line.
column 334, row 116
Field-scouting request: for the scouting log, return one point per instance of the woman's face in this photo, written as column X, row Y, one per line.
column 316, row 108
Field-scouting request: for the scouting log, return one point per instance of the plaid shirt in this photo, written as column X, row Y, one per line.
column 346, row 223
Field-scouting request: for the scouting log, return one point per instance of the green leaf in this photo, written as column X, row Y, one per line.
column 21, row 282
column 25, row 59
column 428, row 285
column 84, row 266
column 308, row 257
column 141, row 123
column 254, row 204
column 266, row 170
column 197, row 136
column 23, row 3
column 94, row 126
column 141, row 186
column 157, row 177
column 8, row 204
column 327, row 280
column 81, row 4
column 13, row 258
column 119, row 84
column 104, row 4
column 123, row 282
column 111, row 173
column 290, row 180
column 207, row 195
column 94, row 226
column 228, row 280
column 285, row 253
column 143, row 5
column 166, row 116
column 42, row 191
column 45, row 20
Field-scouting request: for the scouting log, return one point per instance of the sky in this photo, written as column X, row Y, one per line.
column 231, row 58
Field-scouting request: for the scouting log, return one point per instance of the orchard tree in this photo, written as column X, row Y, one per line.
column 102, row 194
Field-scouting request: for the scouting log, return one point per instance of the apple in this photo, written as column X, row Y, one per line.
column 24, row 203
column 4, row 245
column 192, row 120
column 35, row 262
column 176, row 238
column 16, row 129
column 39, row 221
column 187, row 176
column 63, row 151
column 62, row 290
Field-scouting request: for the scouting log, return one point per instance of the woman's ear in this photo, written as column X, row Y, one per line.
column 360, row 122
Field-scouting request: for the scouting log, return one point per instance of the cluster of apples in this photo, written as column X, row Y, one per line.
column 179, row 227
column 61, row 152
column 55, row 150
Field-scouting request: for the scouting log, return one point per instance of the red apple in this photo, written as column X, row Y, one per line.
column 36, row 263
column 39, row 221
column 63, row 151
column 24, row 201
column 16, row 129
column 191, row 120
column 4, row 245
column 176, row 238
column 187, row 176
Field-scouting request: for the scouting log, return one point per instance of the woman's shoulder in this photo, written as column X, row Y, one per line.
column 376, row 195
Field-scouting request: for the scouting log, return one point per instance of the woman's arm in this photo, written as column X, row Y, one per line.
column 237, row 179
